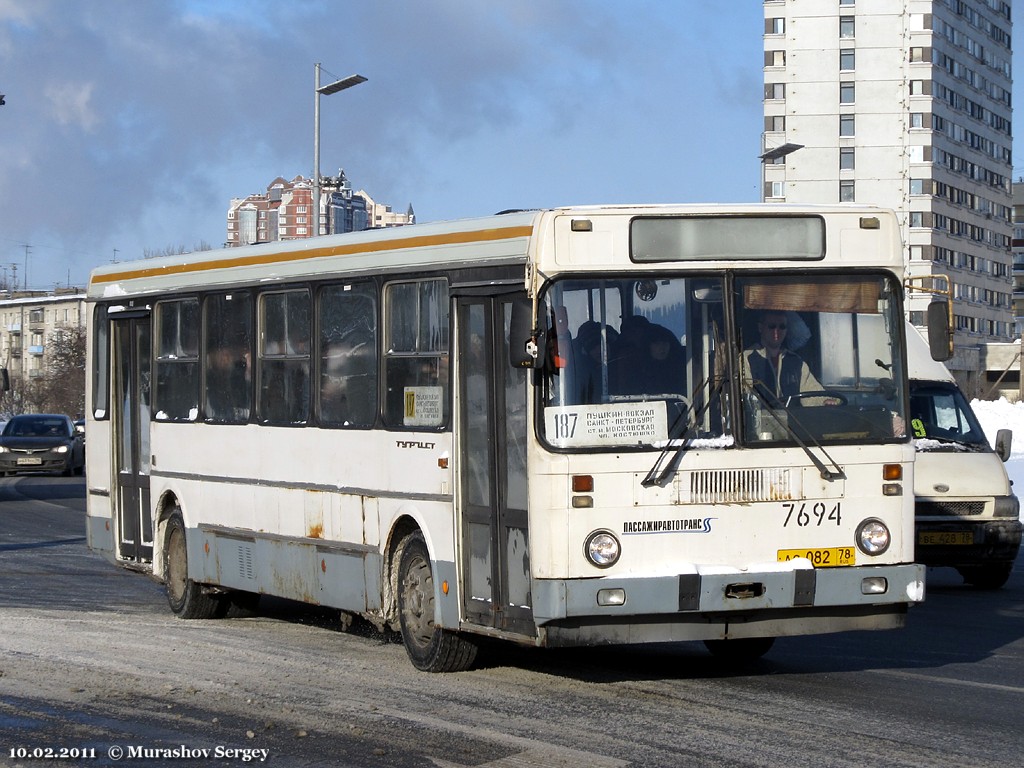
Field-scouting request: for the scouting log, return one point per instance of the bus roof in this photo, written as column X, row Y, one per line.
column 494, row 238
column 504, row 238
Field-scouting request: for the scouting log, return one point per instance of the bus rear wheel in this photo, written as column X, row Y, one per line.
column 186, row 598
column 430, row 648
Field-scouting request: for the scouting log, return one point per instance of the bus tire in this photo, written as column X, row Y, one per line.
column 991, row 576
column 741, row 650
column 186, row 598
column 430, row 648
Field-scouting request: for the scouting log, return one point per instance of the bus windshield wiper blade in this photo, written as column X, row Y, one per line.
column 657, row 475
column 826, row 473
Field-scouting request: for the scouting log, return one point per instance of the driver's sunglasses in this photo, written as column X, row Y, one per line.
column 775, row 327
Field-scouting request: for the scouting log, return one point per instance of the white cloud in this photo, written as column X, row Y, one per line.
column 71, row 104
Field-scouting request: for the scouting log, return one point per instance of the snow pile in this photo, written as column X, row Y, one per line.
column 1001, row 414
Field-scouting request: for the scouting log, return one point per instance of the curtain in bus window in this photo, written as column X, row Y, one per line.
column 348, row 355
column 416, row 360
column 177, row 364
column 284, row 358
column 228, row 351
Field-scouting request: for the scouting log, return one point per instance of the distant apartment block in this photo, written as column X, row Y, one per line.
column 28, row 321
column 286, row 212
column 904, row 104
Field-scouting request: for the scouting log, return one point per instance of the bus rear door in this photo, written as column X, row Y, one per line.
column 131, row 400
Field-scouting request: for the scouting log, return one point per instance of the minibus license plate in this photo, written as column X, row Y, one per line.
column 29, row 460
column 945, row 538
column 821, row 558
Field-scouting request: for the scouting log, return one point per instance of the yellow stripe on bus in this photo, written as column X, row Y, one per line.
column 451, row 238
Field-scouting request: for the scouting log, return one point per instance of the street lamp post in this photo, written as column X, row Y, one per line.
column 770, row 156
column 326, row 90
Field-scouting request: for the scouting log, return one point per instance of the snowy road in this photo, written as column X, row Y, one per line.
column 91, row 658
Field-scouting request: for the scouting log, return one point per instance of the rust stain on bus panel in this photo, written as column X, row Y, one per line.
column 313, row 512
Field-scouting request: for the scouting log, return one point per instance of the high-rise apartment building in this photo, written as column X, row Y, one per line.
column 904, row 104
column 1017, row 247
column 286, row 212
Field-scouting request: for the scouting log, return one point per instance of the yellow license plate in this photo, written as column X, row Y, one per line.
column 945, row 538
column 821, row 558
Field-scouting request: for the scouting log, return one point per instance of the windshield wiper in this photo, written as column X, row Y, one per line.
column 658, row 476
column 826, row 473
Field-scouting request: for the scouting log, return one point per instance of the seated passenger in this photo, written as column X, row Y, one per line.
column 649, row 360
column 589, row 366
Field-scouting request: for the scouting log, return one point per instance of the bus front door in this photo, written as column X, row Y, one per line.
column 492, row 469
column 131, row 361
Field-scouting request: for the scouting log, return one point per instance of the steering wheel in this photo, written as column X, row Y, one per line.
column 822, row 394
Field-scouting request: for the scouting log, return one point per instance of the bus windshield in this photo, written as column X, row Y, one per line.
column 642, row 362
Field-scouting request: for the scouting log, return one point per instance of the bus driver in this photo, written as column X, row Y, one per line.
column 775, row 372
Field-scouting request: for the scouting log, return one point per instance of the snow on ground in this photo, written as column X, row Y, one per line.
column 1001, row 414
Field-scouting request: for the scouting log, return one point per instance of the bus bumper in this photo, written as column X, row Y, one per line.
column 713, row 603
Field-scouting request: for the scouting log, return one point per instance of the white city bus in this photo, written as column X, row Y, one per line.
column 560, row 427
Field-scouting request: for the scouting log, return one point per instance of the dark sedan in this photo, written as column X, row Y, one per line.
column 41, row 442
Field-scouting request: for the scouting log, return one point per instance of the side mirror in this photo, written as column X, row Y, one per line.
column 525, row 341
column 940, row 336
column 1004, row 440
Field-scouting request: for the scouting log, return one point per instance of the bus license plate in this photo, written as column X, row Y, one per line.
column 29, row 461
column 945, row 538
column 821, row 558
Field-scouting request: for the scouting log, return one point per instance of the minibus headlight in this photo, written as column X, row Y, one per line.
column 1006, row 506
column 602, row 549
column 873, row 537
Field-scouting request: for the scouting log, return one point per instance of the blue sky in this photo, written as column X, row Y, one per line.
column 130, row 124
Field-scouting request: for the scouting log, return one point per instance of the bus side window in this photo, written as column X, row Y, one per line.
column 177, row 361
column 348, row 355
column 416, row 353
column 228, row 355
column 284, row 357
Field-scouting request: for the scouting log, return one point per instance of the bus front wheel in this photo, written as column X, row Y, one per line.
column 430, row 648
column 990, row 576
column 186, row 598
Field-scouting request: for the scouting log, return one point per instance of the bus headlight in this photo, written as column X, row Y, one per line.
column 873, row 537
column 602, row 549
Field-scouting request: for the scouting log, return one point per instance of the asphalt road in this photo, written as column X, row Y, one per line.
column 91, row 659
